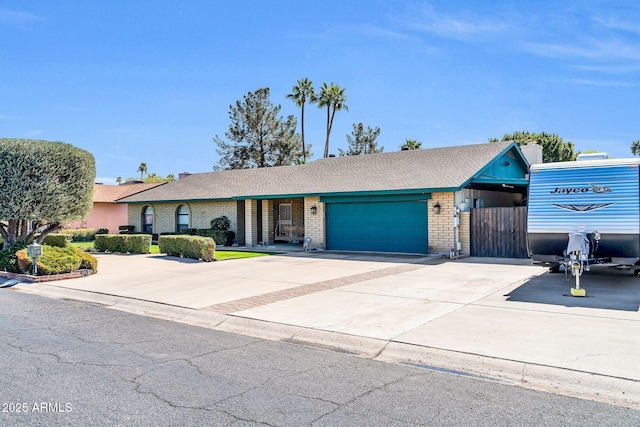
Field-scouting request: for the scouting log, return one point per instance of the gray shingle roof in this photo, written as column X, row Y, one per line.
column 437, row 168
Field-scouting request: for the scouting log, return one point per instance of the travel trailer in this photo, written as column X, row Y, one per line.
column 586, row 212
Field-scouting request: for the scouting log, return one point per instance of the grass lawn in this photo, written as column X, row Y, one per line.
column 220, row 255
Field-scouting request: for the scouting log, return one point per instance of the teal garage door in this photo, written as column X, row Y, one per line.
column 377, row 226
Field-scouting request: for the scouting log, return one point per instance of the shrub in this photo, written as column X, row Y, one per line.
column 8, row 258
column 82, row 234
column 195, row 247
column 126, row 229
column 218, row 236
column 87, row 261
column 221, row 223
column 102, row 231
column 60, row 240
column 123, row 243
column 57, row 260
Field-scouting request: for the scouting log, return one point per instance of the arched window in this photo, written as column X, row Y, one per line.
column 147, row 220
column 182, row 218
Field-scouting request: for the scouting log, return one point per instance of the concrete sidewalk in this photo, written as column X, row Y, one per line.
column 501, row 319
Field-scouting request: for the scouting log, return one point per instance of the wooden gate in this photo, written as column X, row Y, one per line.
column 499, row 232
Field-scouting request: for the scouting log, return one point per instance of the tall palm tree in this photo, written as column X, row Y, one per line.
column 331, row 96
column 301, row 93
column 635, row 148
column 142, row 169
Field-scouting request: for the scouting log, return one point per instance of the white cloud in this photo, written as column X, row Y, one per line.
column 17, row 17
column 465, row 26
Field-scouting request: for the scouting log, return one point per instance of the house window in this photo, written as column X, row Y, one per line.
column 147, row 220
column 182, row 218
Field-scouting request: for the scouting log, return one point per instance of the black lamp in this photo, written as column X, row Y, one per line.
column 436, row 208
column 314, row 210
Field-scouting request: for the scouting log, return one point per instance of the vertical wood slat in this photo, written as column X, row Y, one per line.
column 492, row 235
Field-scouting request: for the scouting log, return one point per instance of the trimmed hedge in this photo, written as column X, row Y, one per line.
column 83, row 234
column 195, row 247
column 57, row 260
column 123, row 243
column 60, row 240
column 221, row 237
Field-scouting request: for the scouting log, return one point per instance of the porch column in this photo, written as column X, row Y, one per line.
column 314, row 224
column 250, row 222
column 267, row 222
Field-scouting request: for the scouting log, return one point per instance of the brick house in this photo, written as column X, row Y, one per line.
column 408, row 201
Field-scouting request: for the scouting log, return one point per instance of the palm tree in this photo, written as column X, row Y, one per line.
column 411, row 144
column 142, row 169
column 331, row 96
column 635, row 148
column 301, row 93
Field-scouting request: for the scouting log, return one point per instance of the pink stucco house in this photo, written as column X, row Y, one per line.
column 106, row 213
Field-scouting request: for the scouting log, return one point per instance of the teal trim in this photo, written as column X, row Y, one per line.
column 498, row 172
column 372, row 198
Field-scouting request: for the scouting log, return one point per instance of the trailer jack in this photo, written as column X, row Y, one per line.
column 576, row 249
column 577, row 268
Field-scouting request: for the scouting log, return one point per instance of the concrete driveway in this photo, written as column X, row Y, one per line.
column 499, row 318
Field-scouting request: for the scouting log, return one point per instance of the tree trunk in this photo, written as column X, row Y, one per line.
column 304, row 151
column 326, row 142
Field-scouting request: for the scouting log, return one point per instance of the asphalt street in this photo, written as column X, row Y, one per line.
column 79, row 363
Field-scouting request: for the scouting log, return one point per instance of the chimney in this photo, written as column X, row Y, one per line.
column 183, row 175
column 532, row 152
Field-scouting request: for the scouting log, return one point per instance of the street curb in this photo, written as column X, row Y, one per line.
column 579, row 384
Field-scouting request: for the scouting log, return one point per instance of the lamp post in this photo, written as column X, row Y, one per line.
column 34, row 251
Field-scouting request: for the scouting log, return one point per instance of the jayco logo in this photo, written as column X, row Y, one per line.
column 579, row 190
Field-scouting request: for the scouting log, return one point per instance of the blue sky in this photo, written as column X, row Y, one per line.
column 152, row 81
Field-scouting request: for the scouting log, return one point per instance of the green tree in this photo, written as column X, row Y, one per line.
column 554, row 149
column 42, row 183
column 119, row 180
column 142, row 169
column 155, row 178
column 635, row 148
column 259, row 137
column 411, row 144
column 300, row 94
column 333, row 98
column 362, row 141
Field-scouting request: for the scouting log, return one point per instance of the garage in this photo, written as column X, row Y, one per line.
column 377, row 225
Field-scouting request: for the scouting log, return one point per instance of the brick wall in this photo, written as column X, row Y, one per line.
column 314, row 225
column 465, row 231
column 441, row 230
column 200, row 215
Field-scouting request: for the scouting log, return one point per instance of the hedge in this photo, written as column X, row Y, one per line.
column 85, row 234
column 123, row 243
column 195, row 247
column 57, row 260
column 221, row 237
column 60, row 240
